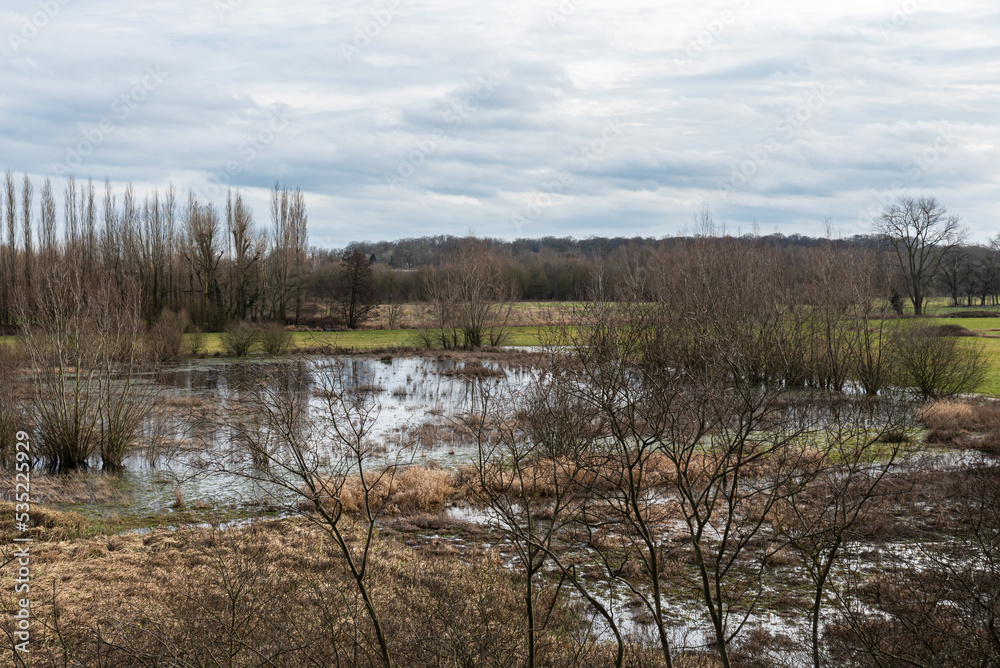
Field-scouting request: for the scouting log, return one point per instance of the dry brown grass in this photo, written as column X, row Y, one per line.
column 428, row 435
column 175, row 401
column 275, row 588
column 543, row 477
column 474, row 370
column 76, row 488
column 523, row 314
column 947, row 414
column 405, row 490
column 963, row 423
column 46, row 524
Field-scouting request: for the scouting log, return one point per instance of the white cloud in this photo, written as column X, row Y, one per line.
column 698, row 89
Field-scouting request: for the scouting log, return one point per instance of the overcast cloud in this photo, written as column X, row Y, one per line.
column 526, row 118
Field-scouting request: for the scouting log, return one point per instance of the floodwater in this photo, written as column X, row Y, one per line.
column 416, row 401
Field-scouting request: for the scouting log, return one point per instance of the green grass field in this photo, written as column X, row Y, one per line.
column 364, row 339
column 990, row 327
column 378, row 339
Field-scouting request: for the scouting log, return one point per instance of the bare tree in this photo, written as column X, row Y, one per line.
column 71, row 231
column 10, row 248
column 27, row 204
column 471, row 299
column 88, row 229
column 245, row 251
column 531, row 446
column 922, row 235
column 325, row 456
column 154, row 248
column 203, row 252
column 299, row 239
column 281, row 259
column 357, row 288
column 48, row 244
column 860, row 444
column 112, row 241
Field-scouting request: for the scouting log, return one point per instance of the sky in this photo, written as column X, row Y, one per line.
column 527, row 118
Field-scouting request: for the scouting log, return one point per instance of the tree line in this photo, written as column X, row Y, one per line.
column 219, row 264
column 181, row 254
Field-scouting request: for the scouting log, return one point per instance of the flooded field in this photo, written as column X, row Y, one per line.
column 192, row 470
column 186, row 448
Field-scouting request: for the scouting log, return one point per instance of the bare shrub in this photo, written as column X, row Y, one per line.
column 126, row 399
column 239, row 340
column 394, row 312
column 312, row 449
column 13, row 417
column 938, row 366
column 83, row 348
column 196, row 342
column 471, row 300
column 275, row 339
column 166, row 338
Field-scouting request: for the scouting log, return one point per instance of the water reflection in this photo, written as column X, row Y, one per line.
column 187, row 438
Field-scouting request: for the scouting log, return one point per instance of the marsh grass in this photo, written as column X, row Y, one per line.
column 69, row 489
column 475, row 370
column 407, row 490
column 230, row 597
column 963, row 423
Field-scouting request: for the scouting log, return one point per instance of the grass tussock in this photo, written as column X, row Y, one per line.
column 428, row 435
column 475, row 370
column 181, row 401
column 394, row 491
column 69, row 489
column 47, row 524
column 277, row 589
column 963, row 424
column 947, row 414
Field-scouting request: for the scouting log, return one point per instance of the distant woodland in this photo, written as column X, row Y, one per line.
column 222, row 263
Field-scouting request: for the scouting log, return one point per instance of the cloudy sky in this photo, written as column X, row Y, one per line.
column 403, row 118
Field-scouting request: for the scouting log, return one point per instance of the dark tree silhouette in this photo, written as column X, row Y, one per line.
column 357, row 289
